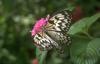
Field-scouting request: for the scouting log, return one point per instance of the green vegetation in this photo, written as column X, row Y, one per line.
column 17, row 18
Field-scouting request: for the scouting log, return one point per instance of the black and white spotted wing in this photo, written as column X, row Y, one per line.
column 58, row 26
column 44, row 42
column 54, row 33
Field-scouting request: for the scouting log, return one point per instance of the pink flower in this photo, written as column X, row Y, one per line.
column 38, row 26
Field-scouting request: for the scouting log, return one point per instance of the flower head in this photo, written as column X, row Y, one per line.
column 39, row 24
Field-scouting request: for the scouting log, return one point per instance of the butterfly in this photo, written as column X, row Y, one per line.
column 51, row 32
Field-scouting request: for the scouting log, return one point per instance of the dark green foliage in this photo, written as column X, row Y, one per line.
column 18, row 16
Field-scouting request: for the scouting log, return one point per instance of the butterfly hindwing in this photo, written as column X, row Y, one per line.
column 44, row 42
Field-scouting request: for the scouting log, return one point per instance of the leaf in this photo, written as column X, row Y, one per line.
column 84, row 51
column 41, row 55
column 83, row 24
column 92, row 19
column 78, row 27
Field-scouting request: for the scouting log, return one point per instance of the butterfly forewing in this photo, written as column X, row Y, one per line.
column 58, row 26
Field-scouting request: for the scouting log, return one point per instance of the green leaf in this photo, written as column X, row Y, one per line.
column 83, row 24
column 78, row 27
column 41, row 55
column 84, row 51
column 92, row 19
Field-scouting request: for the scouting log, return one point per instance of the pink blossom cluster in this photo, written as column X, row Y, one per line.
column 39, row 25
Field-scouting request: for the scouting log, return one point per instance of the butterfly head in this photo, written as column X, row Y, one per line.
column 39, row 24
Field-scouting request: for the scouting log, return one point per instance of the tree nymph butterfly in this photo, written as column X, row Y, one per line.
column 51, row 32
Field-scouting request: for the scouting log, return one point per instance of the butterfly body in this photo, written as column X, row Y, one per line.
column 53, row 33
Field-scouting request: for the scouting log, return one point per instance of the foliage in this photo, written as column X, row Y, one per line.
column 18, row 16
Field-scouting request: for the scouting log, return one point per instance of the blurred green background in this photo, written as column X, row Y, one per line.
column 17, row 18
